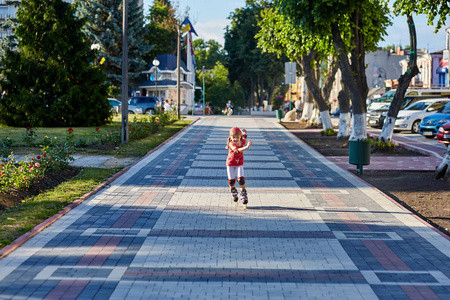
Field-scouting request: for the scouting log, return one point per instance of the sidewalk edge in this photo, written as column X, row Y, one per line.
column 40, row 227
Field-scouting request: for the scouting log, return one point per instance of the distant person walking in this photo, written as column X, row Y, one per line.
column 167, row 107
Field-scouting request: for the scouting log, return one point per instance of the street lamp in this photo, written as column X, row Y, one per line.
column 156, row 64
column 203, row 91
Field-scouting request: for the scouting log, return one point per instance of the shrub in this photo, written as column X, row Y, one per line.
column 328, row 132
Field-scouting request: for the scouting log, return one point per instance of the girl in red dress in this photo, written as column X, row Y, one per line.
column 236, row 144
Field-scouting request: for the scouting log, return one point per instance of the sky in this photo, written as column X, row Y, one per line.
column 209, row 18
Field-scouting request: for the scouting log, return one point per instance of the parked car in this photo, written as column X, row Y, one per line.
column 147, row 104
column 410, row 117
column 430, row 125
column 375, row 118
column 134, row 110
column 116, row 105
column 443, row 135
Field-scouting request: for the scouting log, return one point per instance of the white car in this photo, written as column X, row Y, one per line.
column 410, row 117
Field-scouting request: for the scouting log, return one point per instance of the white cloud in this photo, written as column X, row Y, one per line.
column 212, row 29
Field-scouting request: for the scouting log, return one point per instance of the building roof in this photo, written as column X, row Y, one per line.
column 168, row 62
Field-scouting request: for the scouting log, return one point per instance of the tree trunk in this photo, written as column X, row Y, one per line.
column 443, row 169
column 344, row 115
column 307, row 108
column 313, row 87
column 354, row 87
column 403, row 84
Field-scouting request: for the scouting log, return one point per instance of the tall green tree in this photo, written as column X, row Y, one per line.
column 49, row 81
column 208, row 53
column 104, row 27
column 278, row 35
column 354, row 27
column 257, row 72
column 433, row 9
column 161, row 29
column 218, row 89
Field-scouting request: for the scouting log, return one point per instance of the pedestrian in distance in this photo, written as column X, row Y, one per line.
column 236, row 144
column 167, row 107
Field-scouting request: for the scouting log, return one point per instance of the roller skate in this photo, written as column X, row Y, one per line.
column 234, row 194
column 244, row 198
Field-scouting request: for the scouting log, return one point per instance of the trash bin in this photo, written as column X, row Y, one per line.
column 359, row 154
column 279, row 114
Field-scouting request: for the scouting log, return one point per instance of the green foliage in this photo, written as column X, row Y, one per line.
column 258, row 73
column 218, row 87
column 48, row 81
column 161, row 30
column 104, row 27
column 432, row 9
column 29, row 136
column 21, row 174
column 208, row 53
column 328, row 132
column 382, row 146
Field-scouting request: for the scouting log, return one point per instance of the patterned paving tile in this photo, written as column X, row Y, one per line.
column 168, row 229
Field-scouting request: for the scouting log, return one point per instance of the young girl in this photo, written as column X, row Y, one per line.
column 235, row 162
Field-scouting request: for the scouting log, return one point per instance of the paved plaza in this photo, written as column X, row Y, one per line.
column 168, row 229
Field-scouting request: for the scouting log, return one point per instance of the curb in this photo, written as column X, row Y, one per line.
column 40, row 227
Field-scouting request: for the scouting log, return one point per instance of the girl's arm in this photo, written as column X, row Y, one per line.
column 249, row 143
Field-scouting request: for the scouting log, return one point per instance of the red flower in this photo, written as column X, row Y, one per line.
column 156, row 122
column 134, row 128
column 24, row 177
column 148, row 127
column 70, row 130
column 67, row 153
column 120, row 127
column 110, row 133
column 30, row 166
column 28, row 128
column 38, row 157
column 97, row 129
column 43, row 154
column 1, row 173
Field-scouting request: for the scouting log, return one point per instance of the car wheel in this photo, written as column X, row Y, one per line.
column 150, row 111
column 415, row 127
column 131, row 112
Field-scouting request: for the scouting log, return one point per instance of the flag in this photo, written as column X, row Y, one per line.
column 186, row 26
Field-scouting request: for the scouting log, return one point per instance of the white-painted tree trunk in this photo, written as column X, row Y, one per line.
column 444, row 167
column 326, row 120
column 359, row 126
column 307, row 111
column 388, row 129
column 344, row 125
column 315, row 119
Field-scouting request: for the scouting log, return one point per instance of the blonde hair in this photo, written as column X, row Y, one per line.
column 235, row 131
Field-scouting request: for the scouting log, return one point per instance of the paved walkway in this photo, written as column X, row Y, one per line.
column 167, row 229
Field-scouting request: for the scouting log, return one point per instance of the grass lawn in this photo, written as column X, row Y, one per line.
column 23, row 217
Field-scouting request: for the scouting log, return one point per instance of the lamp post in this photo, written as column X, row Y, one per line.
column 125, row 72
column 156, row 64
column 203, row 91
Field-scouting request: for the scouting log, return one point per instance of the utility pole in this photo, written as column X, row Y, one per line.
column 125, row 72
column 178, row 70
column 203, row 91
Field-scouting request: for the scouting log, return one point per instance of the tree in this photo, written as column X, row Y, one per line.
column 354, row 27
column 256, row 72
column 49, row 81
column 161, row 29
column 208, row 53
column 218, row 89
column 104, row 27
column 279, row 35
column 432, row 9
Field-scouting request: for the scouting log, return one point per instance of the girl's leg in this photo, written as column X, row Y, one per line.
column 231, row 172
column 241, row 181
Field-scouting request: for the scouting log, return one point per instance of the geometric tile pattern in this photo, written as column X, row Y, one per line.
column 167, row 229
